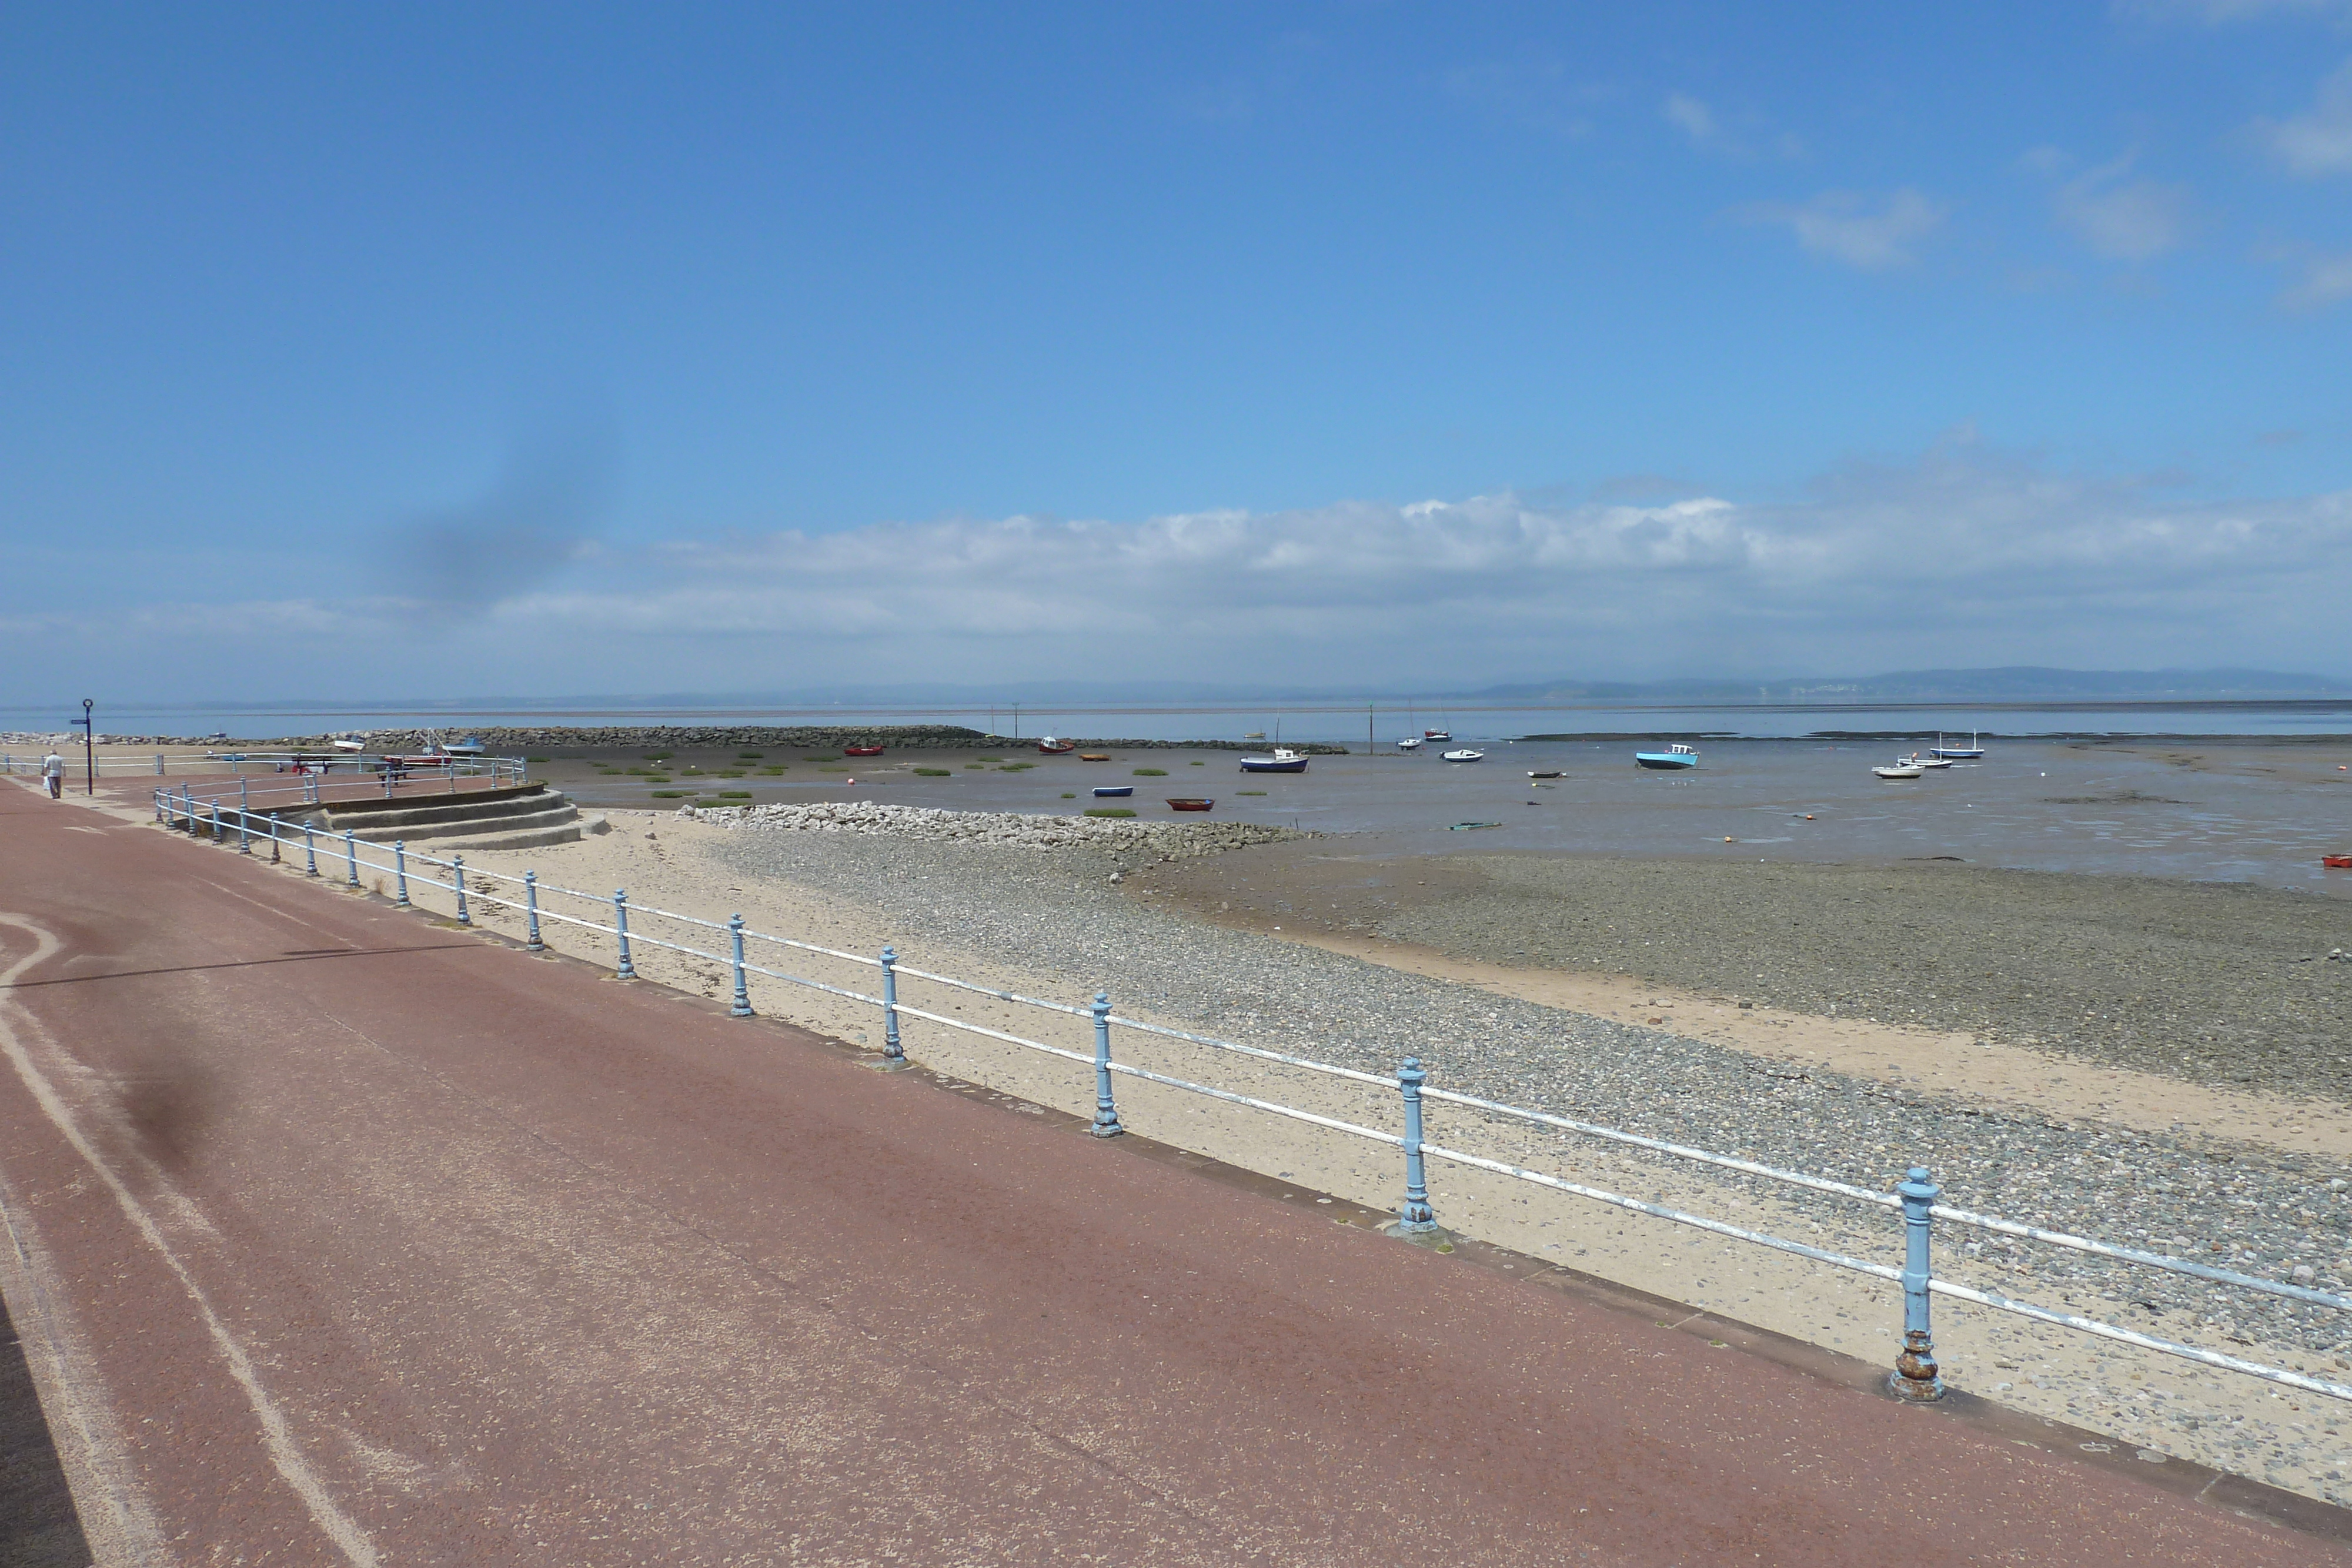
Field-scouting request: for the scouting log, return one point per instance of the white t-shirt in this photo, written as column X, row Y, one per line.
column 53, row 765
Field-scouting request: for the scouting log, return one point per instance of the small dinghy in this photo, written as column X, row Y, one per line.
column 1465, row 827
column 1674, row 759
column 1464, row 755
column 2336, row 862
column 1107, row 791
column 1901, row 771
column 1094, row 756
column 1188, row 803
column 861, row 751
column 1549, row 773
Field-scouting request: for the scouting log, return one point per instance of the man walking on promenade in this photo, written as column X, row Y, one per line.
column 53, row 768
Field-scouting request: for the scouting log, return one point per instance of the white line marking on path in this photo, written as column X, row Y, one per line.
column 285, row 1454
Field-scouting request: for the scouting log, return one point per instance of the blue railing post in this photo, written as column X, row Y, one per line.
column 399, row 870
column 457, row 875
column 310, row 847
column 627, row 971
column 1416, row 1221
column 351, row 858
column 244, row 799
column 219, row 833
column 1916, row 1375
column 1106, row 1110
column 244, row 823
column 277, row 847
column 159, row 805
column 531, row 907
column 742, row 1005
column 894, row 1050
column 188, row 809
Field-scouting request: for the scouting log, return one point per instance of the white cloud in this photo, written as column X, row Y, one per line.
column 2126, row 220
column 2019, row 562
column 1692, row 118
column 2326, row 280
column 2319, row 142
column 1848, row 227
column 1983, row 557
column 2216, row 13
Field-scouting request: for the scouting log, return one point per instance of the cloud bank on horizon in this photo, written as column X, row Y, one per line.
column 1966, row 556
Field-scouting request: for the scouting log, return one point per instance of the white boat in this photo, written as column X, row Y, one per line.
column 1409, row 743
column 1901, row 769
column 1464, row 755
column 1916, row 760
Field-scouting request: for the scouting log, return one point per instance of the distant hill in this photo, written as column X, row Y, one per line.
column 2015, row 682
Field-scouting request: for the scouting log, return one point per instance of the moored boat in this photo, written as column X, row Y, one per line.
column 1436, row 735
column 1284, row 760
column 1106, row 791
column 1053, row 747
column 1094, row 756
column 1409, row 743
column 1916, row 760
column 1901, row 771
column 861, row 751
column 1546, row 773
column 1465, row 754
column 1968, row 753
column 2336, row 862
column 1674, row 759
column 1189, row 803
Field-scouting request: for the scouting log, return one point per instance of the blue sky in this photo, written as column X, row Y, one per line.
column 572, row 349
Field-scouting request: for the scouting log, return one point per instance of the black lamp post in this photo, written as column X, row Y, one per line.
column 89, row 749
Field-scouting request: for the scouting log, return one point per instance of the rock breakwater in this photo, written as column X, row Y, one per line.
column 1174, row 841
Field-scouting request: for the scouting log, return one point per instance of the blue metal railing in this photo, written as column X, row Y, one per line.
column 1915, row 1375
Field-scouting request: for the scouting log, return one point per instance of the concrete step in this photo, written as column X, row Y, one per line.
column 440, row 830
column 371, row 818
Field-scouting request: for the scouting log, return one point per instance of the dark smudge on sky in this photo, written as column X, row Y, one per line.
column 549, row 500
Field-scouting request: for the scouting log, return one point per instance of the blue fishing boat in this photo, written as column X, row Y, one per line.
column 1674, row 759
column 1970, row 753
column 1108, row 792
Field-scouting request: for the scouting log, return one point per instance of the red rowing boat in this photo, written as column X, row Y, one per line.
column 861, row 751
column 2338, row 862
column 1188, row 803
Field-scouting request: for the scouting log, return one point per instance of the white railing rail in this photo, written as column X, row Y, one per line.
column 1915, row 1198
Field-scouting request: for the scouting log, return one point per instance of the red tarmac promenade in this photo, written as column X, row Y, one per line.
column 347, row 1236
